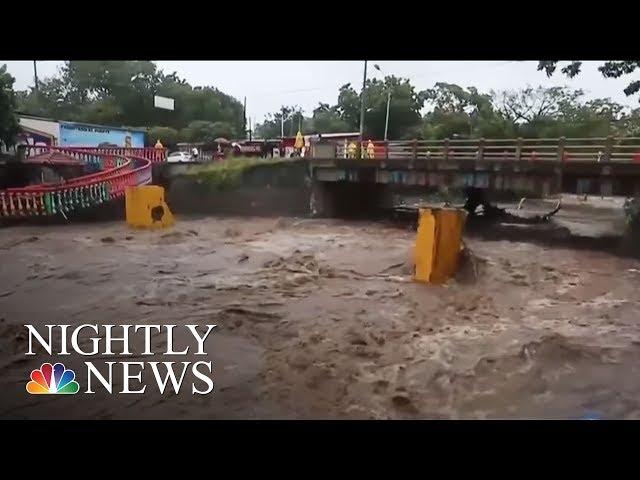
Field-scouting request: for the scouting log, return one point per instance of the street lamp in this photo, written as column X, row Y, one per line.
column 364, row 83
column 35, row 76
column 386, row 121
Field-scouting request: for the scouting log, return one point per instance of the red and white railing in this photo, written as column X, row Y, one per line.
column 120, row 171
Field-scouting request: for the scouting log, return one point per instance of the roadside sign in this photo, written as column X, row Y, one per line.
column 163, row 102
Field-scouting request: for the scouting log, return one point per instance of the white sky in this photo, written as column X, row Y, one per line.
column 270, row 84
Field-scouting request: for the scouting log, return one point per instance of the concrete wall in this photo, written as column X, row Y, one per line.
column 271, row 189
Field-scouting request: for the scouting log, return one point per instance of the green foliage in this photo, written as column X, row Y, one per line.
column 404, row 107
column 327, row 119
column 227, row 174
column 203, row 131
column 121, row 93
column 611, row 69
column 454, row 111
column 558, row 111
column 272, row 127
column 168, row 136
column 465, row 113
column 8, row 121
column 404, row 112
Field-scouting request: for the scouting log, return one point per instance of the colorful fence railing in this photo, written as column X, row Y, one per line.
column 86, row 154
column 118, row 172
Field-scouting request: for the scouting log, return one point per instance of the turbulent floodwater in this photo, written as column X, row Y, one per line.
column 320, row 319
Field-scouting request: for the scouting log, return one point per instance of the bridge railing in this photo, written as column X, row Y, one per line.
column 600, row 149
column 88, row 154
column 79, row 192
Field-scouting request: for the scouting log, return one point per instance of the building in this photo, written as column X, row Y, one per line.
column 38, row 130
column 47, row 131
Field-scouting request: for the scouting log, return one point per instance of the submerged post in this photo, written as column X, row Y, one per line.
column 438, row 244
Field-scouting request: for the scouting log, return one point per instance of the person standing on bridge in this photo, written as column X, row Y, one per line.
column 371, row 151
column 351, row 150
column 158, row 147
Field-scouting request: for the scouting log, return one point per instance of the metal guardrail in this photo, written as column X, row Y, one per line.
column 600, row 149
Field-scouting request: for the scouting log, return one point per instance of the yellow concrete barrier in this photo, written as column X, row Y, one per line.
column 438, row 244
column 146, row 208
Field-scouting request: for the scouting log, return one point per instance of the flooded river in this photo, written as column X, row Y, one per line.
column 320, row 319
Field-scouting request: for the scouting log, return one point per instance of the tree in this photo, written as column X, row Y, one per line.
column 293, row 116
column 463, row 112
column 128, row 84
column 48, row 101
column 404, row 108
column 559, row 111
column 203, row 131
column 8, row 123
column 327, row 119
column 611, row 69
column 168, row 136
column 121, row 93
column 629, row 124
column 529, row 112
column 531, row 105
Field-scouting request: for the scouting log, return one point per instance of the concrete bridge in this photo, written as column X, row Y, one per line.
column 505, row 168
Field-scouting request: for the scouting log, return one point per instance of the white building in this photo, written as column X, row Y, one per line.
column 38, row 128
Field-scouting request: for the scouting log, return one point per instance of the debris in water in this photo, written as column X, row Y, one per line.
column 18, row 242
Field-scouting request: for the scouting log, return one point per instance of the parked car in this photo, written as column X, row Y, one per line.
column 179, row 157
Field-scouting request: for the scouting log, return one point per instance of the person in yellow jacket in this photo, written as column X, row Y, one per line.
column 371, row 151
column 351, row 150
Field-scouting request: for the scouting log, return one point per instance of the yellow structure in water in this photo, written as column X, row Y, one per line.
column 438, row 244
column 146, row 208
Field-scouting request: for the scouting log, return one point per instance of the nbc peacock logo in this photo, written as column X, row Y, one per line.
column 54, row 379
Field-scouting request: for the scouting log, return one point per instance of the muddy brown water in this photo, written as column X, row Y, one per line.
column 320, row 319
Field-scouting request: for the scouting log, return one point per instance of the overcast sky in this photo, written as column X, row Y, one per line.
column 270, row 84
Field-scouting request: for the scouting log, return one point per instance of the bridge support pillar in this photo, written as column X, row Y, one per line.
column 320, row 201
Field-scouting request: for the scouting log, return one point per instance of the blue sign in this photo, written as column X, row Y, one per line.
column 81, row 135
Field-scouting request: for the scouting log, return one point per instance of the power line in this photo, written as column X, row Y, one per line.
column 410, row 76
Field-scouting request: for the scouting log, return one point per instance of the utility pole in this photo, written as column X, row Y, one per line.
column 364, row 82
column 386, row 121
column 282, row 124
column 35, row 75
column 250, row 137
column 244, row 117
